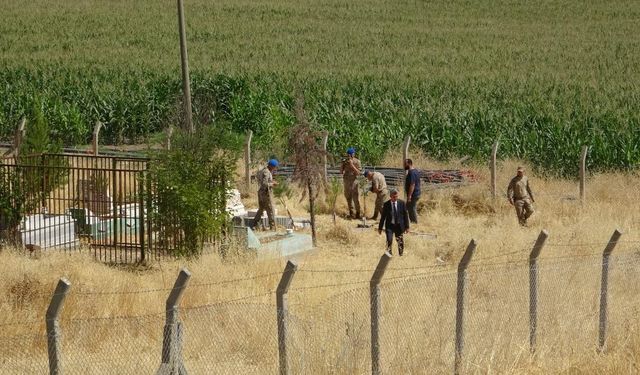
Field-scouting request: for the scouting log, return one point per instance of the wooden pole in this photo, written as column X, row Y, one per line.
column 186, row 85
column 494, row 174
column 17, row 140
column 325, row 140
column 96, row 134
column 405, row 156
column 169, row 136
column 583, row 174
column 247, row 159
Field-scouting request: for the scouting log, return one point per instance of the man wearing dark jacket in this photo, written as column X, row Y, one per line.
column 395, row 220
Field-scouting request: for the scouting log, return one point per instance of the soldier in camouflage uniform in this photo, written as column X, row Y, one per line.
column 379, row 187
column 350, row 171
column 520, row 196
column 265, row 194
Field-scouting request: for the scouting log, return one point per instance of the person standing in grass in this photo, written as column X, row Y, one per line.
column 395, row 220
column 412, row 190
column 520, row 196
column 350, row 170
column 378, row 187
column 265, row 194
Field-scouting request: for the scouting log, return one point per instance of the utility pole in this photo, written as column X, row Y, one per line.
column 186, row 86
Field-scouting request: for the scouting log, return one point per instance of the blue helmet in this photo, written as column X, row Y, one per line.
column 273, row 163
column 351, row 151
column 366, row 173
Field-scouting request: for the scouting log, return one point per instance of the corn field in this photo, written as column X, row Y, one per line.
column 544, row 77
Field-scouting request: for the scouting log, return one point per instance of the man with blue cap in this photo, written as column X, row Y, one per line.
column 350, row 171
column 265, row 194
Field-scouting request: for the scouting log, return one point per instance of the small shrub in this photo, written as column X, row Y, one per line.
column 190, row 186
column 342, row 234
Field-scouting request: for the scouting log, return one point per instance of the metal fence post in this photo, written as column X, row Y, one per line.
column 172, row 362
column 282, row 314
column 247, row 160
column 533, row 288
column 141, row 214
column 53, row 328
column 583, row 174
column 494, row 175
column 374, row 293
column 460, row 301
column 604, row 285
column 114, row 205
column 95, row 137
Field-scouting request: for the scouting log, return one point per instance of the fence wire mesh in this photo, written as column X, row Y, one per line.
column 332, row 334
column 230, row 338
column 496, row 317
column 24, row 354
column 122, row 345
column 418, row 324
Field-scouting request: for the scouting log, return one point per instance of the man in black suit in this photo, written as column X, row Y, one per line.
column 395, row 219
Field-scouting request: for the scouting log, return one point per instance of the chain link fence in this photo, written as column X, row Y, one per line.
column 581, row 303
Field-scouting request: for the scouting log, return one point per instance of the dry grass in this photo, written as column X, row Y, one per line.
column 330, row 323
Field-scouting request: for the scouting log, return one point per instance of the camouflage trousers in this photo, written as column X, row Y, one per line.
column 381, row 198
column 351, row 195
column 524, row 209
column 265, row 203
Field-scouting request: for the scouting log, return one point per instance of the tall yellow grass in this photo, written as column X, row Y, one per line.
column 112, row 319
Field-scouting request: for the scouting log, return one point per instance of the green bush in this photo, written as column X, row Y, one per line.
column 190, row 184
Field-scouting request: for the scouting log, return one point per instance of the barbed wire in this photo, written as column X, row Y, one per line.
column 30, row 322
column 120, row 292
column 115, row 317
column 223, row 282
column 244, row 298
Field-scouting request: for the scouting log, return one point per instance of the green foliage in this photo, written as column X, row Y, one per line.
column 40, row 170
column 543, row 91
column 283, row 189
column 38, row 138
column 191, row 183
column 545, row 122
column 11, row 205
